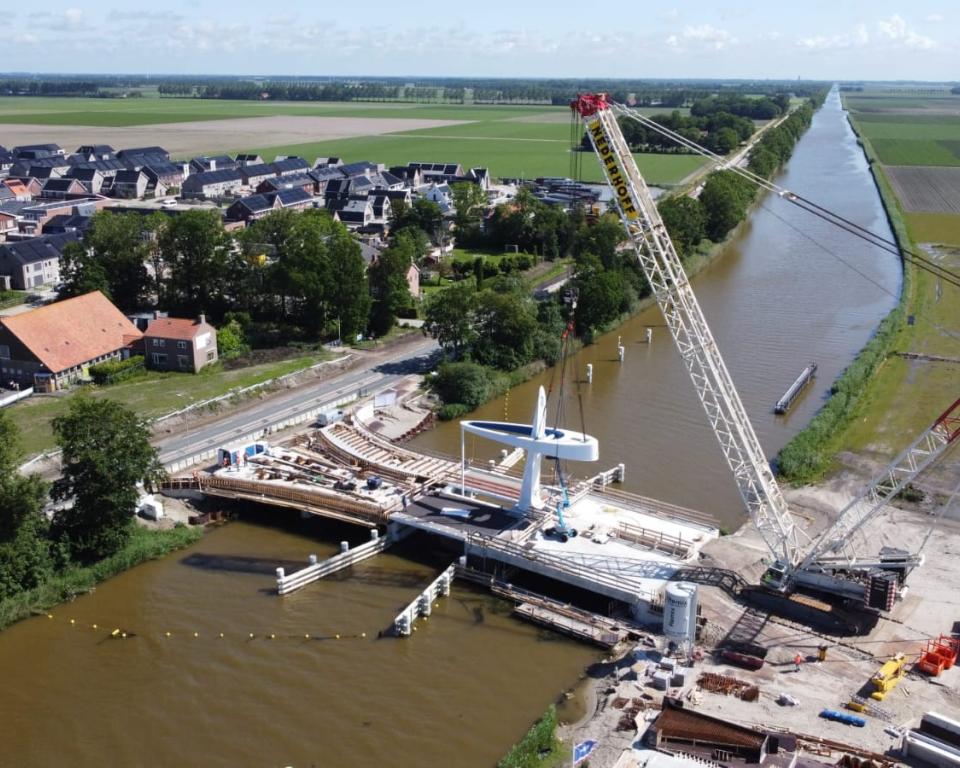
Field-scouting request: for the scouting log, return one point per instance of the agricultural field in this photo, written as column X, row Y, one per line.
column 925, row 188
column 909, row 130
column 917, row 141
column 521, row 141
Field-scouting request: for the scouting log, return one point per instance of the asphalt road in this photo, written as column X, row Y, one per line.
column 378, row 371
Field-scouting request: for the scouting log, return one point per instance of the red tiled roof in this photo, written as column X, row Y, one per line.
column 174, row 328
column 68, row 333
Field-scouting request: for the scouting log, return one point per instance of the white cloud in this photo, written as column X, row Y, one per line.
column 896, row 31
column 891, row 34
column 856, row 38
column 702, row 36
column 933, row 18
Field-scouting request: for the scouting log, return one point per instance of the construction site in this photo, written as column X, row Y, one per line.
column 825, row 631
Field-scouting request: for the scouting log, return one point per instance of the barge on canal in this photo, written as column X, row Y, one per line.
column 806, row 376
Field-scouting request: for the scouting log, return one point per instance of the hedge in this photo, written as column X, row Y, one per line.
column 113, row 371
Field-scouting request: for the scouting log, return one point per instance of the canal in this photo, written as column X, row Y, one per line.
column 471, row 680
column 775, row 300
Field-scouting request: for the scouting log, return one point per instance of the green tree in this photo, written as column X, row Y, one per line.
column 195, row 251
column 725, row 197
column 388, row 286
column 349, row 298
column 506, row 328
column 448, row 317
column 115, row 258
column 685, row 221
column 601, row 295
column 106, row 453
column 24, row 548
column 464, row 382
column 81, row 272
column 230, row 340
column 469, row 202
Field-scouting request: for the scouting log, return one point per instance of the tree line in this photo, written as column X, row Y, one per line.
column 287, row 275
column 488, row 340
column 726, row 196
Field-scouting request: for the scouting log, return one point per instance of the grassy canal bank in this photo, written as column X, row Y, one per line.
column 885, row 398
column 75, row 580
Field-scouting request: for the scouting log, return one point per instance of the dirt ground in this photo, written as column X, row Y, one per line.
column 926, row 188
column 931, row 607
column 191, row 138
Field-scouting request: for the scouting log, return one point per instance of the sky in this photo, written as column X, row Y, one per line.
column 769, row 39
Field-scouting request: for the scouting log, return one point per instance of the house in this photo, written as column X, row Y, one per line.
column 435, row 172
column 439, row 194
column 180, row 344
column 251, row 208
column 9, row 223
column 254, row 174
column 355, row 214
column 290, row 165
column 35, row 261
column 211, row 184
column 129, row 184
column 304, row 181
column 53, row 346
column 96, row 152
column 35, row 215
column 255, row 207
column 90, row 178
column 46, row 171
column 107, row 168
column 6, row 161
column 215, row 163
column 134, row 152
column 66, row 223
column 243, row 159
column 162, row 176
column 14, row 189
column 62, row 189
column 36, row 151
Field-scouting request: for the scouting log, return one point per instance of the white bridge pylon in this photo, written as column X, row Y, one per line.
column 537, row 440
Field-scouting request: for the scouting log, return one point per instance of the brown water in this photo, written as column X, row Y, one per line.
column 774, row 299
column 459, row 692
column 471, row 680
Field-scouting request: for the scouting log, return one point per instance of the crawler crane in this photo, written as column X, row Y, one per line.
column 830, row 563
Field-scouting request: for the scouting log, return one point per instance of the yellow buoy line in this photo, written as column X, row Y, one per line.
column 119, row 633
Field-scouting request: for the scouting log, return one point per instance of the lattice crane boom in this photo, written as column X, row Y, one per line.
column 668, row 281
column 835, row 546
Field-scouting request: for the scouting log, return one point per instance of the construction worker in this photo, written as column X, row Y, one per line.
column 797, row 661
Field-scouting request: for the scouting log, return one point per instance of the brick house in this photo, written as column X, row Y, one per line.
column 35, row 261
column 180, row 344
column 53, row 346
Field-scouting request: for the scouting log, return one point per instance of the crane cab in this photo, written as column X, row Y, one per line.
column 775, row 577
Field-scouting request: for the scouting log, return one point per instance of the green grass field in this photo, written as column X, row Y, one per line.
column 504, row 157
column 935, row 228
column 909, row 129
column 904, row 396
column 521, row 141
column 151, row 395
column 128, row 112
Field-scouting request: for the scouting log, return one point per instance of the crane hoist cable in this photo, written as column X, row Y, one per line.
column 891, row 246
